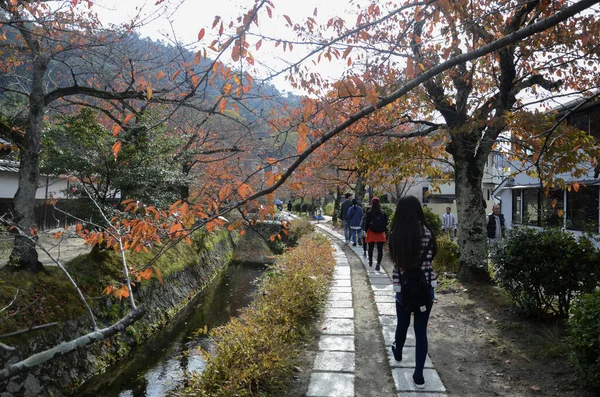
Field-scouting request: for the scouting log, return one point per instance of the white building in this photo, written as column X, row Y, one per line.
column 576, row 209
column 48, row 187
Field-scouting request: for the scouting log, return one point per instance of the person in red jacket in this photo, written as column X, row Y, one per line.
column 376, row 227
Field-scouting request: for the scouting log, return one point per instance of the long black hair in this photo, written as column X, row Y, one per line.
column 405, row 238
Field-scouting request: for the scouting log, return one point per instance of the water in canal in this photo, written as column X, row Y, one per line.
column 153, row 369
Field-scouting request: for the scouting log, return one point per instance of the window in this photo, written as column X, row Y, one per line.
column 582, row 209
column 552, row 206
column 531, row 207
column 517, row 217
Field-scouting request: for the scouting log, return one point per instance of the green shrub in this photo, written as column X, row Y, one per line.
column 584, row 337
column 328, row 209
column 302, row 207
column 389, row 210
column 433, row 220
column 297, row 228
column 542, row 270
column 254, row 355
column 447, row 257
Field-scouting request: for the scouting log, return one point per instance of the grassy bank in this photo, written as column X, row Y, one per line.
column 255, row 353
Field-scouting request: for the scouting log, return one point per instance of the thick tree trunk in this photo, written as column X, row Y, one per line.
column 24, row 256
column 471, row 222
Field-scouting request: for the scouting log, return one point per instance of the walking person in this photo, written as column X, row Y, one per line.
column 355, row 215
column 344, row 216
column 449, row 224
column 412, row 248
column 376, row 227
column 363, row 228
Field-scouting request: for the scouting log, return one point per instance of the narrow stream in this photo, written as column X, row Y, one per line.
column 152, row 370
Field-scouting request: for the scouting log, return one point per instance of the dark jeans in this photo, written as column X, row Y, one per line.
column 420, row 326
column 379, row 252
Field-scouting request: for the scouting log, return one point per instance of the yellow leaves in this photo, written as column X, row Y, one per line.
column 296, row 186
column 149, row 92
column 227, row 89
column 116, row 148
column 201, row 34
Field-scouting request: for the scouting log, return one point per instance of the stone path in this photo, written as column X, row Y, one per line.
column 333, row 373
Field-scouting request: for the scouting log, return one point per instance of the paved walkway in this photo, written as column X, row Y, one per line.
column 334, row 369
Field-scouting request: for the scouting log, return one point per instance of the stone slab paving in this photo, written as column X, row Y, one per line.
column 334, row 366
column 339, row 312
column 336, row 343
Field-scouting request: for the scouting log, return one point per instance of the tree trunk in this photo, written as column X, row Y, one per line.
column 359, row 189
column 24, row 255
column 336, row 205
column 471, row 221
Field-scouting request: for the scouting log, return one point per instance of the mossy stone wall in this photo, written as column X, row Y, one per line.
column 62, row 375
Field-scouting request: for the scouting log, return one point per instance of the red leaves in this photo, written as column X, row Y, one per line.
column 201, row 34
column 116, row 148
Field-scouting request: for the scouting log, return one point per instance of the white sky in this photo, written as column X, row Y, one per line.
column 192, row 15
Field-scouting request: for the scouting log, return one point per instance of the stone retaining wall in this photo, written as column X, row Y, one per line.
column 61, row 376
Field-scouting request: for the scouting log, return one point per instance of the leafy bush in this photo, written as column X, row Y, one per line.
column 584, row 337
column 328, row 209
column 254, row 354
column 542, row 270
column 433, row 220
column 447, row 257
column 389, row 210
column 302, row 207
column 298, row 227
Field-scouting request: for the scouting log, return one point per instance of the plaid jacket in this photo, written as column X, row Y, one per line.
column 426, row 266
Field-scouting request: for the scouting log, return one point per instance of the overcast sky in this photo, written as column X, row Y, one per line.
column 190, row 16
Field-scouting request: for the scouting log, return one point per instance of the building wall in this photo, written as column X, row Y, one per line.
column 48, row 186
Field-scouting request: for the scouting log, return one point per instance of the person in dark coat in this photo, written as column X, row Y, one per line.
column 355, row 214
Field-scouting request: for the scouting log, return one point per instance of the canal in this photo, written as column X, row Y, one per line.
column 155, row 368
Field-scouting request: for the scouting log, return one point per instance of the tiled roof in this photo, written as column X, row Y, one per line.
column 9, row 166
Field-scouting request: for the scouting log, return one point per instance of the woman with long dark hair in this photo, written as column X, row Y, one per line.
column 412, row 248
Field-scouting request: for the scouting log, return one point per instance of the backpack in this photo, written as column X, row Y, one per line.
column 415, row 287
column 378, row 222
